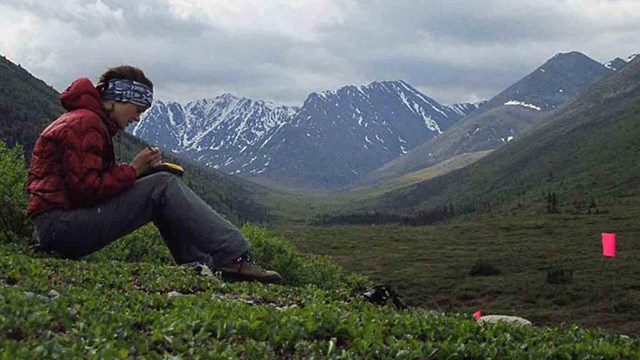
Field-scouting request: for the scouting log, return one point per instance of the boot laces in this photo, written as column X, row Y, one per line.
column 246, row 259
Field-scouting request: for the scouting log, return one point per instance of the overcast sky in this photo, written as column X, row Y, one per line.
column 281, row 51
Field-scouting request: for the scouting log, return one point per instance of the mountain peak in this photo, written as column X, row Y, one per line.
column 566, row 61
column 616, row 64
column 558, row 79
column 570, row 55
column 228, row 97
column 389, row 84
column 321, row 95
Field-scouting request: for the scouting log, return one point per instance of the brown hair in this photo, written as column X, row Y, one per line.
column 126, row 72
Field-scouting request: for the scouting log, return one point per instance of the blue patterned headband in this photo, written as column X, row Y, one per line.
column 128, row 91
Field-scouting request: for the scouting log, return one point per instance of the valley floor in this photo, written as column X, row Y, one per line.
column 431, row 266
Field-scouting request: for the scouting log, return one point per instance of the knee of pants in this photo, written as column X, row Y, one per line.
column 160, row 177
column 159, row 183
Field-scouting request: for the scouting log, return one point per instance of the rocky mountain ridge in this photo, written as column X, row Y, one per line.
column 303, row 146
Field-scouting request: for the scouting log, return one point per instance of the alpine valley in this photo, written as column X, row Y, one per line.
column 359, row 134
column 516, row 232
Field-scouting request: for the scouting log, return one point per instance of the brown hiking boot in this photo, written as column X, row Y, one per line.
column 244, row 269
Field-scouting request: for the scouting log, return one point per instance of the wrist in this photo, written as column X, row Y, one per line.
column 136, row 168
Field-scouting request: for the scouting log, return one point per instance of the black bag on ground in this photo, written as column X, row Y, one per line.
column 380, row 295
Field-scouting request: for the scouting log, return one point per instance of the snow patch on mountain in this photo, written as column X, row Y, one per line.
column 520, row 103
column 463, row 109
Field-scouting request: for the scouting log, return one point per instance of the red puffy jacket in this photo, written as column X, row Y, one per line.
column 73, row 163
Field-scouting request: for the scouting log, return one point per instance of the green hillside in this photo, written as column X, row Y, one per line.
column 130, row 300
column 588, row 149
column 28, row 105
column 447, row 166
column 483, row 125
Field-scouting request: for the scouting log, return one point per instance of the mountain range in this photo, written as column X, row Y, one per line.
column 505, row 116
column 219, row 133
column 360, row 134
column 586, row 149
column 331, row 141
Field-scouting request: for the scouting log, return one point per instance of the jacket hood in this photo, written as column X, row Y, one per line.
column 81, row 94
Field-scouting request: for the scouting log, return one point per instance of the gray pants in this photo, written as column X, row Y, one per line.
column 191, row 229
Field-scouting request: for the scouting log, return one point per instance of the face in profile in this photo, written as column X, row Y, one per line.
column 125, row 113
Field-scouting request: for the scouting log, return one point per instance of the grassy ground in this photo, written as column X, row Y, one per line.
column 124, row 304
column 431, row 265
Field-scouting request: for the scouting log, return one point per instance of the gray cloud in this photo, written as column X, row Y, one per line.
column 281, row 50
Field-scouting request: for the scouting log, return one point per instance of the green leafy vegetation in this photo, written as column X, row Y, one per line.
column 559, row 276
column 99, row 308
column 13, row 199
column 146, row 245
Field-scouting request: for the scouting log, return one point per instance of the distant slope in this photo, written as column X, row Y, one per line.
column 588, row 148
column 505, row 116
column 28, row 105
column 445, row 167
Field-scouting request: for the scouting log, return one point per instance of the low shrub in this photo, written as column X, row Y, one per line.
column 559, row 276
column 297, row 268
column 146, row 245
column 13, row 197
column 143, row 245
column 484, row 268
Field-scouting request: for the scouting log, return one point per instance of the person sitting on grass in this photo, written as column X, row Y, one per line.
column 81, row 200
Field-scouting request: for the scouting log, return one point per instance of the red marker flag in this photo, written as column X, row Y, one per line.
column 477, row 315
column 609, row 244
